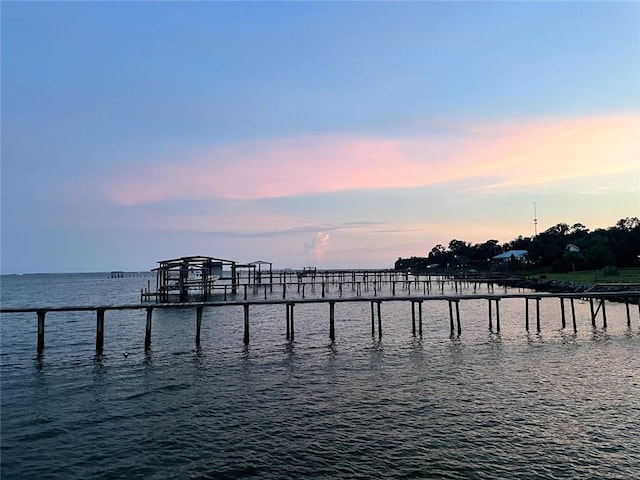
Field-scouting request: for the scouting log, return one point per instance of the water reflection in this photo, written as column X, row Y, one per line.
column 568, row 337
column 98, row 360
column 534, row 339
column 289, row 348
column 39, row 363
column 599, row 335
column 494, row 339
column 199, row 357
column 147, row 361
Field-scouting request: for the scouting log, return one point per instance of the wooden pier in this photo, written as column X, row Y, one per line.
column 597, row 301
column 303, row 282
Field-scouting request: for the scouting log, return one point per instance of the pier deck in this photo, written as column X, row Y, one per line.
column 628, row 297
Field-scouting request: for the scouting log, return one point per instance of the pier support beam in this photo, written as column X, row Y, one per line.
column 41, row 315
column 564, row 321
column 332, row 325
column 375, row 306
column 604, row 314
column 373, row 321
column 538, row 315
column 451, row 317
column 413, row 318
column 246, row 323
column 490, row 317
column 290, row 329
column 99, row 331
column 573, row 315
column 147, row 331
column 198, row 324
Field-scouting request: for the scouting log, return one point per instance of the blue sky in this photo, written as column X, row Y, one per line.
column 330, row 134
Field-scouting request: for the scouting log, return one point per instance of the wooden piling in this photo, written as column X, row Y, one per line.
column 538, row 315
column 379, row 321
column 199, row 324
column 593, row 314
column 526, row 314
column 573, row 316
column 413, row 317
column 420, row 318
column 332, row 327
column 451, row 317
column 41, row 315
column 292, row 332
column 373, row 321
column 288, row 322
column 604, row 313
column 497, row 315
column 246, row 323
column 564, row 322
column 458, row 316
column 626, row 304
column 99, row 331
column 490, row 317
column 147, row 332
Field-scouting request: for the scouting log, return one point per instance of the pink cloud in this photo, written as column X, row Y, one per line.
column 517, row 154
column 316, row 250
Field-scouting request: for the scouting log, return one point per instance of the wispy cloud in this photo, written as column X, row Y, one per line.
column 506, row 155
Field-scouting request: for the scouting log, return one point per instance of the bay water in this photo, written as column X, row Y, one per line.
column 557, row 404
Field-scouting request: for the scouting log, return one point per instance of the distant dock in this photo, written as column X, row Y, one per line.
column 122, row 274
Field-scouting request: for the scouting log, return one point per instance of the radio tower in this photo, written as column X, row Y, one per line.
column 535, row 220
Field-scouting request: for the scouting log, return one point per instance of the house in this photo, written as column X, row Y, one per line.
column 520, row 255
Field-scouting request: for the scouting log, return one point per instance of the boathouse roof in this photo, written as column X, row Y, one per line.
column 517, row 254
column 191, row 260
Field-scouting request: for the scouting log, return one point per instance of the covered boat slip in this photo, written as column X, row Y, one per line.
column 181, row 278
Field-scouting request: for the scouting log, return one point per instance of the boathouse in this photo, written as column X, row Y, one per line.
column 186, row 275
column 184, row 278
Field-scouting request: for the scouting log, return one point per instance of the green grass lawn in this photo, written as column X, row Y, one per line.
column 624, row 275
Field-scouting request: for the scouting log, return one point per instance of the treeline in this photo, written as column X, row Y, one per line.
column 561, row 248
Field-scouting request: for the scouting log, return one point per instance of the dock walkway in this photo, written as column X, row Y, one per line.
column 596, row 300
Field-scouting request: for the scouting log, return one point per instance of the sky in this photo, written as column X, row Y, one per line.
column 327, row 134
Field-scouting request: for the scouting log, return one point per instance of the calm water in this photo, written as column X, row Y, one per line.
column 480, row 406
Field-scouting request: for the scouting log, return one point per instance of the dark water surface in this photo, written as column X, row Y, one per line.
column 514, row 405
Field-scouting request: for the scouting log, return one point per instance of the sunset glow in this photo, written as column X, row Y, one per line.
column 517, row 155
column 342, row 134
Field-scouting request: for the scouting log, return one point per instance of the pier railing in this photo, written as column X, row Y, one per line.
column 596, row 301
